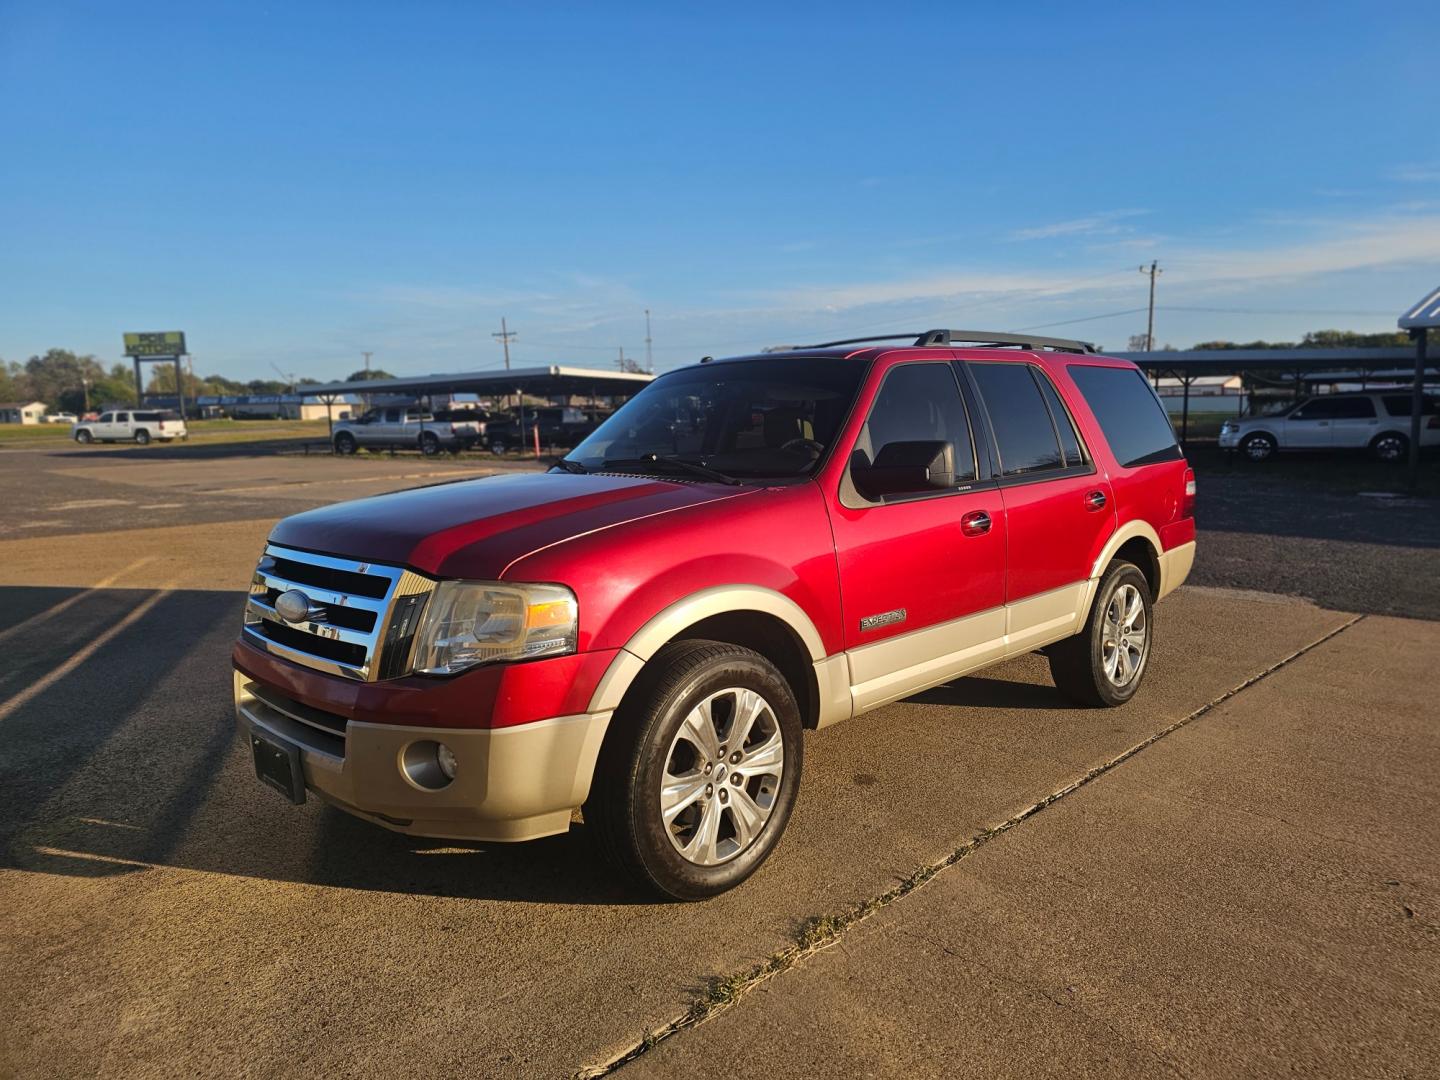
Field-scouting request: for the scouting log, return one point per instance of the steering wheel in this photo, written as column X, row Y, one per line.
column 804, row 444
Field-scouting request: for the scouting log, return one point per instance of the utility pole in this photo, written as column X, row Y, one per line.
column 621, row 362
column 505, row 335
column 1153, row 270
column 649, row 361
column 367, row 356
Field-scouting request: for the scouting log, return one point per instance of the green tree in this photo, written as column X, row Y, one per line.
column 60, row 375
column 366, row 376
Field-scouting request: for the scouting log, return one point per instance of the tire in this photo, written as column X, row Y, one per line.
column 142, row 437
column 499, row 447
column 345, row 443
column 1390, row 447
column 1259, row 446
column 429, row 443
column 1087, row 668
column 84, row 438
column 661, row 731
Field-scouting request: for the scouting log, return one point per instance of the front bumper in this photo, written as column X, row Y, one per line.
column 511, row 783
column 1229, row 439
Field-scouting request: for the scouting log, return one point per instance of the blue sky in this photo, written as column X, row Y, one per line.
column 294, row 183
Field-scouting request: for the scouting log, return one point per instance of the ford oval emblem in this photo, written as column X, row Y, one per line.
column 292, row 606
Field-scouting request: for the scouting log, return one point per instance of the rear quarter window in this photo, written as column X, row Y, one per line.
column 1129, row 414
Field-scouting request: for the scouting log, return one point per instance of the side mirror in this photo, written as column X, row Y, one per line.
column 908, row 468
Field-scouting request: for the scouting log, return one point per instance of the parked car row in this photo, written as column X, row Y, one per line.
column 414, row 427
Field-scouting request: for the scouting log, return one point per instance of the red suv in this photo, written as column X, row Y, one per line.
column 748, row 548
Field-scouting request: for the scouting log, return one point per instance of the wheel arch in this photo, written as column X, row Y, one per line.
column 749, row 615
column 1137, row 542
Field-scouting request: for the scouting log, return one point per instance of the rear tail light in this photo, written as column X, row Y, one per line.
column 1187, row 504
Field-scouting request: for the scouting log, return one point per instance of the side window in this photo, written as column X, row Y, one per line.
column 392, row 416
column 1064, row 424
column 1354, row 408
column 122, row 417
column 1402, row 404
column 106, row 418
column 1024, row 433
column 917, row 415
column 1129, row 414
column 1319, row 409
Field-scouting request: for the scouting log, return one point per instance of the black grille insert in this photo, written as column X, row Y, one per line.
column 323, row 577
column 342, row 652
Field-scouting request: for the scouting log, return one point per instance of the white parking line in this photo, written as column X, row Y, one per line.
column 39, row 686
column 69, row 602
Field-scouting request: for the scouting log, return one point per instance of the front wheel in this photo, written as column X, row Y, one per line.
column 1104, row 663
column 429, row 443
column 345, row 443
column 1259, row 447
column 699, row 770
column 84, row 438
column 498, row 447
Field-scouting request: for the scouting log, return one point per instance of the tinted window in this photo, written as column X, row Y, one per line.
column 107, row 418
column 1344, row 408
column 392, row 416
column 1069, row 440
column 1023, row 431
column 149, row 417
column 752, row 418
column 1129, row 414
column 1400, row 404
column 918, row 403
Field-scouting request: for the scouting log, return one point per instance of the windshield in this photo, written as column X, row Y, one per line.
column 748, row 418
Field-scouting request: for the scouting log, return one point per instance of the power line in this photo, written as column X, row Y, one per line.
column 1087, row 318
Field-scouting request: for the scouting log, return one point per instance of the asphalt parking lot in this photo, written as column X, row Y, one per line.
column 1234, row 874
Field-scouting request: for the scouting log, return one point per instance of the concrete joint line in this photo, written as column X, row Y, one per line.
column 821, row 932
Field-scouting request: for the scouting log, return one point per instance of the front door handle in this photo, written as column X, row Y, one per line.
column 1094, row 500
column 975, row 523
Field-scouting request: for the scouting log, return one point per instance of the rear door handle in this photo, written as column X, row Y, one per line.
column 1094, row 500
column 975, row 523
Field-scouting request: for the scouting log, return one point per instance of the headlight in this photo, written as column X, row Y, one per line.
column 479, row 622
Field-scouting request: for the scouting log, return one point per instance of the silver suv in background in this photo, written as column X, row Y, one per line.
column 410, row 427
column 131, row 425
column 1378, row 422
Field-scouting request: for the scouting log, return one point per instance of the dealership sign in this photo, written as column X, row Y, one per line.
column 164, row 343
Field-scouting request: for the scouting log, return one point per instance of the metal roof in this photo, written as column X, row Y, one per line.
column 1423, row 316
column 1232, row 361
column 553, row 379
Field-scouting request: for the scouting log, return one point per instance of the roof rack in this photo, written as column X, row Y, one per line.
column 980, row 338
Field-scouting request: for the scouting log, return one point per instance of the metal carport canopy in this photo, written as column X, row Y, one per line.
column 1235, row 361
column 552, row 380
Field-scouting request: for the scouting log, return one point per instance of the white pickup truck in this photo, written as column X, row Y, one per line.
column 126, row 425
column 410, row 427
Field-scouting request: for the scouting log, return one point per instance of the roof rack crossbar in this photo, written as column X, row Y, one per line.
column 980, row 338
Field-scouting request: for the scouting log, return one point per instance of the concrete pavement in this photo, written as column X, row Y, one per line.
column 1257, row 894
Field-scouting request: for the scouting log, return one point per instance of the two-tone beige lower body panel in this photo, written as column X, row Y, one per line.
column 513, row 783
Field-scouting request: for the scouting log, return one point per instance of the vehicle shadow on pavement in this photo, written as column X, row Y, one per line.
column 982, row 692
column 119, row 757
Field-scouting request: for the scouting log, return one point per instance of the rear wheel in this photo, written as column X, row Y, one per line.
column 1390, row 446
column 699, row 771
column 84, row 437
column 142, row 437
column 498, row 446
column 1259, row 447
column 1105, row 662
column 345, row 443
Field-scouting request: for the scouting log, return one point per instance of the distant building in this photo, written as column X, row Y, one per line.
column 274, row 406
column 22, row 412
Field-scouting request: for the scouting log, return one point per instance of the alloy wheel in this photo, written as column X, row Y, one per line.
column 722, row 775
column 1127, row 638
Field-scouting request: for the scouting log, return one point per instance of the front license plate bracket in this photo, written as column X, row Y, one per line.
column 277, row 763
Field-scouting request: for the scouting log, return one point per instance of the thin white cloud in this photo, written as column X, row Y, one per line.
column 1416, row 174
column 1106, row 223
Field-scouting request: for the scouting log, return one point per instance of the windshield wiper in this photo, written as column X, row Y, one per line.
column 571, row 466
column 680, row 463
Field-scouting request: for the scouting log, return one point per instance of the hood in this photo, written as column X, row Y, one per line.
column 476, row 528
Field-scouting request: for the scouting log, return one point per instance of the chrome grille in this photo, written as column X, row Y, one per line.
column 351, row 604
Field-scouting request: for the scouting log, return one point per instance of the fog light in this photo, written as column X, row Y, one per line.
column 428, row 765
column 445, row 758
